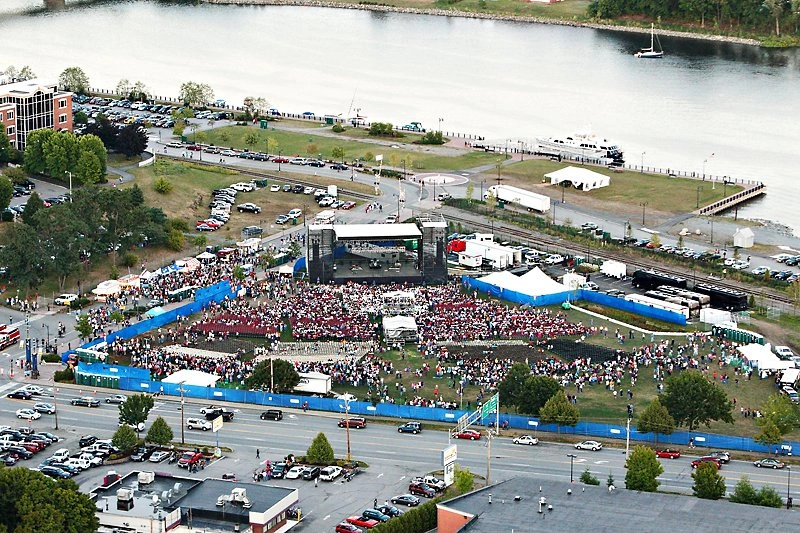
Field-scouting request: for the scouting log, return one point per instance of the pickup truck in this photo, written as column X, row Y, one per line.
column 227, row 414
column 432, row 481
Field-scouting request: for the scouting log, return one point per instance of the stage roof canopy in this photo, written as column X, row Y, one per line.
column 376, row 231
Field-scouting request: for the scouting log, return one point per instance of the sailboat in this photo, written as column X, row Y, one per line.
column 651, row 53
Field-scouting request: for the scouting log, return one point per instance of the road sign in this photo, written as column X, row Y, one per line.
column 490, row 406
column 216, row 424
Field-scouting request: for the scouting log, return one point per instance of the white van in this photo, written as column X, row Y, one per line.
column 60, row 455
column 83, row 464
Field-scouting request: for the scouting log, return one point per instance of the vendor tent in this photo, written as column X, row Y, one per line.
column 613, row 269
column 192, row 377
column 206, row 257
column 537, row 283
column 580, row 178
column 533, row 288
column 573, row 281
column 761, row 358
column 399, row 328
column 789, row 376
column 106, row 289
column 188, row 264
column 155, row 311
column 131, row 280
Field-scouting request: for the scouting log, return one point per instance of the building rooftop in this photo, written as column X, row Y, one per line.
column 620, row 511
column 27, row 87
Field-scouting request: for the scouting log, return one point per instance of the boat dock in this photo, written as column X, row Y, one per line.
column 751, row 191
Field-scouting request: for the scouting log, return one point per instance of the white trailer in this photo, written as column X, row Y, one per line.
column 613, row 269
column 514, row 195
column 333, row 191
column 325, row 217
column 469, row 261
column 500, row 256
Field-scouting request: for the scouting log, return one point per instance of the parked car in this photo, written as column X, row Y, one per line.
column 294, row 213
column 274, row 188
column 248, row 207
column 295, row 472
column 87, row 440
column 706, row 459
column 589, row 445
column 668, row 454
column 158, row 456
column 769, row 463
column 86, row 401
column 375, row 514
column 311, row 472
column 190, row 459
column 409, row 500
column 330, row 473
column 422, row 489
column 346, row 527
column 410, row 427
column 526, row 439
column 368, row 523
column 389, row 510
column 554, row 259
column 142, row 453
column 348, row 205
column 356, row 422
column 469, row 434
column 55, row 473
column 65, row 299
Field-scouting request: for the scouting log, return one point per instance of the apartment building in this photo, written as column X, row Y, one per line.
column 26, row 106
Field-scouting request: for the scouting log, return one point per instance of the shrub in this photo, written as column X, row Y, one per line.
column 320, row 452
column 65, row 376
column 175, row 240
column 432, row 137
column 337, row 128
column 162, row 186
column 51, row 358
column 178, row 224
column 587, row 478
column 7, row 216
column 129, row 259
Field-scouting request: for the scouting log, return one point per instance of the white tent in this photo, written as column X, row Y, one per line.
column 710, row 315
column 400, row 328
column 106, row 289
column 762, row 358
column 580, row 178
column 789, row 376
column 131, row 280
column 537, row 283
column 206, row 257
column 573, row 281
column 743, row 238
column 192, row 377
column 252, row 244
column 613, row 269
column 188, row 264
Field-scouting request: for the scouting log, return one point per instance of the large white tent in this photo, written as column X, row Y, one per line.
column 192, row 377
column 533, row 283
column 761, row 358
column 580, row 178
column 400, row 328
column 106, row 289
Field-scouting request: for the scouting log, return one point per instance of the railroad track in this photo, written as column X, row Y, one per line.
column 535, row 239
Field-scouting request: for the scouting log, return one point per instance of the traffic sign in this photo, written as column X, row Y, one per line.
column 216, row 424
column 490, row 406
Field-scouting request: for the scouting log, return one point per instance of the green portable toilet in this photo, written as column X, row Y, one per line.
column 263, row 124
column 329, row 121
column 184, row 139
column 294, row 222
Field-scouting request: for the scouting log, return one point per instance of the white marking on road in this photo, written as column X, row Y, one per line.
column 402, row 478
column 580, row 460
column 292, row 416
column 601, row 462
column 327, row 516
column 380, row 475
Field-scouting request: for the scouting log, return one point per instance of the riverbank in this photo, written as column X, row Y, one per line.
column 487, row 16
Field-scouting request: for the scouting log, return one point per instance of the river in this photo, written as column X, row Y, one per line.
column 507, row 81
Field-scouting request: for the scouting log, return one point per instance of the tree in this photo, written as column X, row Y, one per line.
column 88, row 171
column 656, row 419
column 124, row 438
column 195, row 94
column 769, row 497
column 643, row 469
column 535, row 393
column 23, row 255
column 123, row 87
column 25, row 74
column 463, row 479
column 558, row 410
column 708, row 484
column 337, row 153
column 692, row 400
column 320, row 452
column 135, row 409
column 83, row 327
column 587, row 478
column 770, row 434
column 131, row 140
column 35, row 149
column 6, row 150
column 6, row 190
column 744, row 492
column 74, row 79
column 286, row 377
column 775, row 8
column 470, row 192
column 32, row 502
column 512, row 387
column 655, row 240
column 781, row 412
column 251, row 139
column 15, row 174
column 160, row 432
column 60, row 233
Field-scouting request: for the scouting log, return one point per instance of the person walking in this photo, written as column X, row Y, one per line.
column 316, row 482
column 258, row 453
column 375, row 504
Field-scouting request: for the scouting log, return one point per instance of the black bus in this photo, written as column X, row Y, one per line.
column 722, row 297
column 650, row 279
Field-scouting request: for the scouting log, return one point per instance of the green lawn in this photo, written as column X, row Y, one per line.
column 661, row 193
column 292, row 143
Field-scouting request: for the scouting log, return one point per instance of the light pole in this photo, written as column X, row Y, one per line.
column 572, row 457
column 180, row 388
column 440, row 124
column 279, row 159
column 47, row 326
column 641, row 170
column 347, row 423
column 521, row 151
column 55, row 404
column 711, row 220
column 788, row 484
column 697, row 204
column 482, row 183
column 644, row 207
column 70, row 184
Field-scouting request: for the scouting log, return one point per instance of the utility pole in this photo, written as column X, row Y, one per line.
column 271, row 377
column 489, row 458
column 183, row 410
column 55, row 403
column 347, row 424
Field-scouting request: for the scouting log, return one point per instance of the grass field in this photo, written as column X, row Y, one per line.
column 293, row 143
column 662, row 193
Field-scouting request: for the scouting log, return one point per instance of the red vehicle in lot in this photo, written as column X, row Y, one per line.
column 668, row 454
column 469, row 434
column 194, row 147
column 422, row 489
column 360, row 521
column 280, row 159
column 346, row 527
column 348, row 205
column 189, row 459
column 707, row 459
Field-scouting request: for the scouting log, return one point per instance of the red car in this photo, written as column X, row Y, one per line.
column 194, row 147
column 359, row 521
column 668, row 454
column 189, row 459
column 280, row 159
column 469, row 434
column 356, row 422
column 707, row 459
column 422, row 489
column 348, row 205
column 344, row 527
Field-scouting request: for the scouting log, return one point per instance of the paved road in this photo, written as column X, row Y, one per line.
column 393, row 458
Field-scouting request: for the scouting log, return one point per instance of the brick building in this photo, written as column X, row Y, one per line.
column 26, row 106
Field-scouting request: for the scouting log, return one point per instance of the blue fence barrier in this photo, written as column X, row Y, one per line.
column 632, row 307
column 135, row 383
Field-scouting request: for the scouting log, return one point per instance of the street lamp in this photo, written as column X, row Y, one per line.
column 279, row 159
column 644, row 207
column 180, row 388
column 641, row 170
column 697, row 204
column 440, row 124
column 572, row 457
column 521, row 151
column 788, row 483
column 70, row 184
column 55, row 404
column 347, row 423
column 47, row 326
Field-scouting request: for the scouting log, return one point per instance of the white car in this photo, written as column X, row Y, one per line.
column 93, row 460
column 759, row 271
column 33, row 389
column 66, row 299
column 117, row 398
column 589, row 445
column 77, row 462
column 29, row 414
column 330, row 473
column 554, row 259
column 295, row 472
column 275, row 188
column 299, row 161
column 526, row 439
column 44, row 407
column 391, row 219
column 158, row 456
column 294, row 213
column 243, row 187
column 197, row 423
column 174, row 144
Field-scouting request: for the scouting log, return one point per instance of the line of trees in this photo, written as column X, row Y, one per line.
column 725, row 15
column 58, row 153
